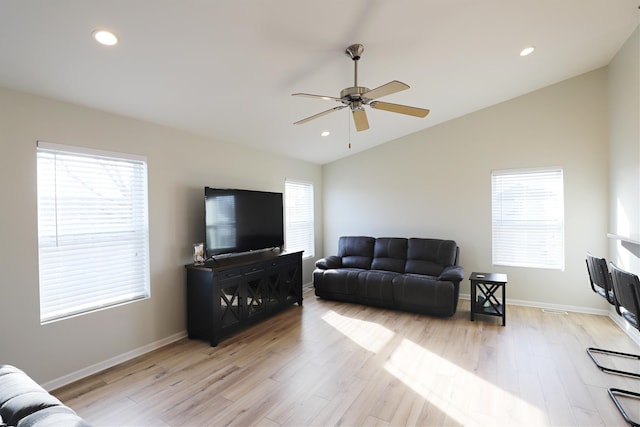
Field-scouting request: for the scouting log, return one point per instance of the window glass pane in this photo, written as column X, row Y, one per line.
column 299, row 217
column 528, row 218
column 92, row 230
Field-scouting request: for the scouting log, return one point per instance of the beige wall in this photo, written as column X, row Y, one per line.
column 436, row 183
column 179, row 166
column 624, row 162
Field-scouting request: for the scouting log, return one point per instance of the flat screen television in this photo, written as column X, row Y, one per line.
column 242, row 220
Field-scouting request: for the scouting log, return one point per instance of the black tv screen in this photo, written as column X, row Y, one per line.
column 242, row 220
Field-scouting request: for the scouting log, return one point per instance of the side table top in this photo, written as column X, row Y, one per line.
column 488, row 277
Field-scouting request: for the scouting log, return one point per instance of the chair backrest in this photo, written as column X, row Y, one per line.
column 627, row 290
column 600, row 278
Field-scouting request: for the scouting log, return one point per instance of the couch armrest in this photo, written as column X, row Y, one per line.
column 452, row 273
column 332, row 261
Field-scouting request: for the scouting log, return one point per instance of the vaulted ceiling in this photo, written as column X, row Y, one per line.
column 226, row 69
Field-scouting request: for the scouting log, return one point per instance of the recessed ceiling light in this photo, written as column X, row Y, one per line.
column 104, row 37
column 527, row 51
column 325, row 133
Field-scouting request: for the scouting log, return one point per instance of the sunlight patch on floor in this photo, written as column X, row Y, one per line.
column 368, row 335
column 435, row 379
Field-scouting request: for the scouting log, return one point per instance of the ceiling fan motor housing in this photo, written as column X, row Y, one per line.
column 352, row 96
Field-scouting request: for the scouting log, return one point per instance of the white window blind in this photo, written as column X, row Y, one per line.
column 528, row 218
column 92, row 230
column 299, row 235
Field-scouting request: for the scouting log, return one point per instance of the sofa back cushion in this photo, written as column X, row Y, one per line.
column 430, row 256
column 390, row 254
column 356, row 251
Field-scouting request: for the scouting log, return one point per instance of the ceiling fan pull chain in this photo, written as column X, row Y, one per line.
column 349, row 129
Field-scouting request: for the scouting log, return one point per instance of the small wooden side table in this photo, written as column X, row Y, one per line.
column 483, row 298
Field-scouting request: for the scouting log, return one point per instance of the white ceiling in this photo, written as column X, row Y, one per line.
column 227, row 68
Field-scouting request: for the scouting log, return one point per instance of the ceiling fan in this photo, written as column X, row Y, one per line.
column 356, row 97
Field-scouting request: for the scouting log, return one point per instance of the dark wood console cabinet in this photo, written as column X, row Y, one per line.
column 227, row 294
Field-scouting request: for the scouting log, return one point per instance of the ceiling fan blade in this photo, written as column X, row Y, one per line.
column 360, row 120
column 397, row 108
column 386, row 89
column 309, row 95
column 315, row 116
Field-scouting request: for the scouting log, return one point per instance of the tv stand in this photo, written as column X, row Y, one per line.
column 227, row 294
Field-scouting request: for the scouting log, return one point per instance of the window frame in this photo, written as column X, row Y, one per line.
column 78, row 219
column 517, row 225
column 309, row 246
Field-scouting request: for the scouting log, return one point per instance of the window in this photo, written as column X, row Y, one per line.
column 299, row 217
column 528, row 218
column 93, row 238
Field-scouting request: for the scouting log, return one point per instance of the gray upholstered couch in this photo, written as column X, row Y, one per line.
column 25, row 403
column 417, row 275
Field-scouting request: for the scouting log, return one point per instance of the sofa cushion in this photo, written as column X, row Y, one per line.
column 27, row 403
column 418, row 293
column 430, row 256
column 55, row 416
column 376, row 287
column 342, row 282
column 356, row 251
column 390, row 254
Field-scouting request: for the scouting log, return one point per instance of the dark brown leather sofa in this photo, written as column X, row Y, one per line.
column 416, row 275
column 24, row 403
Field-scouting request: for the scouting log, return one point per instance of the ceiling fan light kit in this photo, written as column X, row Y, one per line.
column 356, row 97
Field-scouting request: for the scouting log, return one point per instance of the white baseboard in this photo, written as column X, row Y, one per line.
column 94, row 369
column 554, row 307
column 634, row 334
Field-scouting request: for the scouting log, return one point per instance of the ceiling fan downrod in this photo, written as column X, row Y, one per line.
column 354, row 52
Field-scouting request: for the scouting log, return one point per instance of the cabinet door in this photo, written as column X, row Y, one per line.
column 230, row 296
column 273, row 284
column 291, row 281
column 254, row 282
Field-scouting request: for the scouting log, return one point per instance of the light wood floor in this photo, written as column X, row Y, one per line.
column 330, row 363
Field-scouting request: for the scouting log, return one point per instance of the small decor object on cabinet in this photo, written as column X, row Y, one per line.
column 198, row 253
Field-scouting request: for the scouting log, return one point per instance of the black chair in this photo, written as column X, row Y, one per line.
column 626, row 288
column 600, row 278
column 602, row 284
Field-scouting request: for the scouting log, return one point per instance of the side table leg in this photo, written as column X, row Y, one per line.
column 504, row 306
column 473, row 298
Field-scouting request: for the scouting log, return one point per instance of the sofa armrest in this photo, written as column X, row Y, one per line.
column 332, row 261
column 452, row 273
